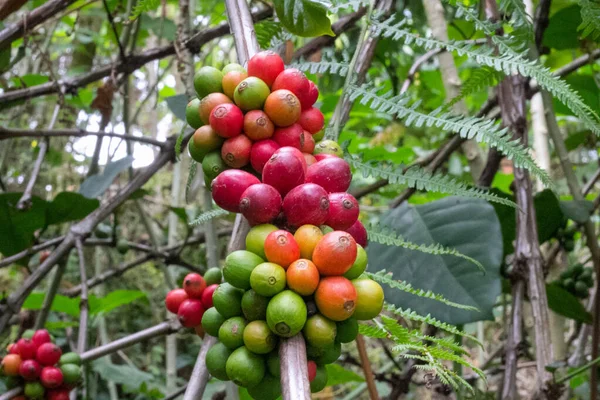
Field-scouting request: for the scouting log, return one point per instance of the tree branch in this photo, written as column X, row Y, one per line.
column 31, row 20
column 25, row 200
column 6, row 133
column 30, row 251
column 127, row 66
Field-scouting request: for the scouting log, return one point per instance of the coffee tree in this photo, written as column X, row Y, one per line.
column 363, row 199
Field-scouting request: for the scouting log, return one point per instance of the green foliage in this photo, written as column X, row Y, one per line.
column 271, row 34
column 304, row 18
column 481, row 130
column 387, row 278
column 208, row 215
column 144, row 6
column 323, row 67
column 590, row 15
column 69, row 206
column 480, row 79
column 508, row 61
column 190, row 179
column 432, row 353
column 421, row 179
column 95, row 185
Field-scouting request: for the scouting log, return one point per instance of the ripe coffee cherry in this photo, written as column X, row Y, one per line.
column 48, row 354
column 266, row 65
column 311, row 97
column 174, row 299
column 285, row 170
column 359, row 233
column 13, row 349
column 30, row 370
column 293, row 80
column 306, row 204
column 228, row 187
column 332, row 174
column 58, row 394
column 335, row 253
column 323, row 156
column 11, row 364
column 309, row 158
column 190, row 313
column 51, row 377
column 309, row 144
column 257, row 125
column 40, row 337
column 231, row 80
column 343, row 211
column 26, row 348
column 312, row 120
column 236, row 151
column 260, row 204
column 207, row 295
column 227, row 120
column 282, row 107
column 292, row 136
column 281, row 248
column 261, row 152
column 312, row 370
column 194, row 284
column 208, row 103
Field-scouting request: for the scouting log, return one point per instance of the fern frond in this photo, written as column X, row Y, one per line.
column 428, row 319
column 590, row 16
column 387, row 278
column 421, row 179
column 271, row 34
column 480, row 79
column 208, row 215
column 143, row 6
column 322, row 67
column 190, row 180
column 481, row 130
column 350, row 5
column 519, row 14
column 400, row 334
column 509, row 62
column 372, row 331
column 440, row 353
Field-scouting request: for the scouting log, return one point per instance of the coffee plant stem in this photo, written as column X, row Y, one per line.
column 199, row 377
column 12, row 393
column 366, row 366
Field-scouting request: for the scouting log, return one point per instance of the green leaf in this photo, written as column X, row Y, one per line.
column 69, row 206
column 4, row 54
column 17, row 227
column 181, row 213
column 95, row 185
column 177, row 105
column 468, row 225
column 62, row 304
column 564, row 303
column 590, row 14
column 118, row 298
column 336, row 375
column 161, row 27
column 562, row 32
column 124, row 374
column 304, row 18
column 577, row 210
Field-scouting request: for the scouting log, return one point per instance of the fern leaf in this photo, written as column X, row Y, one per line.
column 178, row 143
column 520, row 17
column 323, row 67
column 422, row 179
column 144, row 6
column 349, row 5
column 590, row 16
column 388, row 237
column 191, row 175
column 208, row 215
column 480, row 79
column 509, row 62
column 387, row 278
column 372, row 331
column 400, row 334
column 428, row 319
column 440, row 353
column 481, row 130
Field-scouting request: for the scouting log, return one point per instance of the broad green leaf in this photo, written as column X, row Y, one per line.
column 124, row 374
column 304, row 18
column 336, row 375
column 95, row 185
column 468, row 225
column 181, row 213
column 61, row 304
column 69, row 206
column 144, row 6
column 17, row 227
column 562, row 29
column 177, row 105
column 564, row 303
column 577, row 210
column 118, row 298
column 163, row 28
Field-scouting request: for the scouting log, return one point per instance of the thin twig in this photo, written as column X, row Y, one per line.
column 199, row 377
column 50, row 294
column 6, row 133
column 366, row 366
column 114, row 29
column 25, row 201
column 30, row 251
